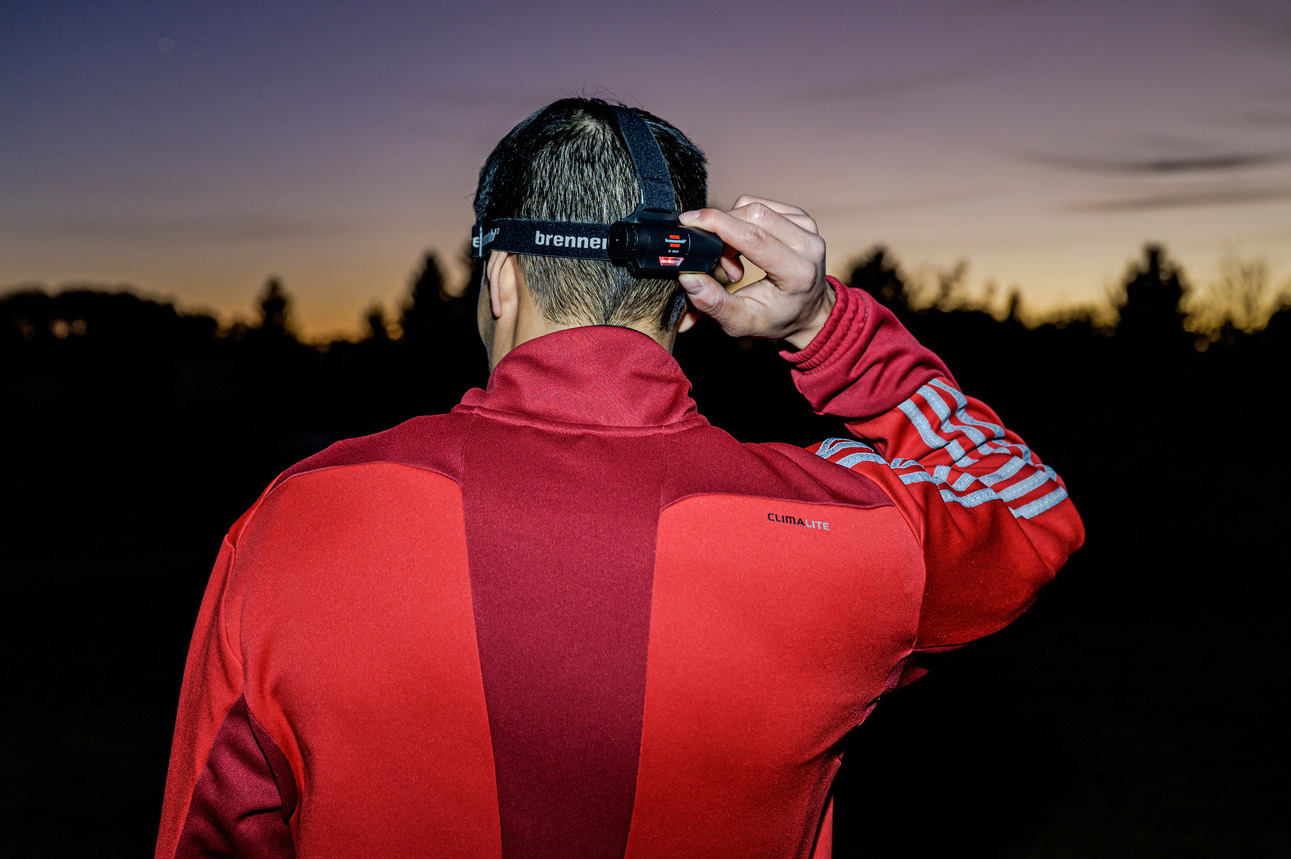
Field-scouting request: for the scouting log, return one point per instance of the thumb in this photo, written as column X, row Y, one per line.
column 705, row 293
column 711, row 298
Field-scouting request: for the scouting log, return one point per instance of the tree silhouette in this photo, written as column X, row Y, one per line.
column 275, row 312
column 375, row 319
column 951, row 288
column 879, row 275
column 1239, row 301
column 442, row 353
column 1278, row 328
column 425, row 300
column 1151, row 311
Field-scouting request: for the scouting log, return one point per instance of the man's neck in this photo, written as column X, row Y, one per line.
column 531, row 324
column 508, row 315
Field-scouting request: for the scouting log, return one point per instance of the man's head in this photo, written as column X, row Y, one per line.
column 567, row 163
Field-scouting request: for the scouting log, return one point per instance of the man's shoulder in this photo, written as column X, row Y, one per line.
column 426, row 442
column 429, row 443
column 715, row 463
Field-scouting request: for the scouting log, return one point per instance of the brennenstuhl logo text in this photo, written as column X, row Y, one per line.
column 541, row 238
column 785, row 519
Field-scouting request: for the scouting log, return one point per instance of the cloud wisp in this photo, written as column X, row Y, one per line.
column 1183, row 200
column 1217, row 162
column 882, row 87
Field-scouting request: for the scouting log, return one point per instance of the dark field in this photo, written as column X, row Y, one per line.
column 1139, row 709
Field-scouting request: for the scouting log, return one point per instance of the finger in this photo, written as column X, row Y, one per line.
column 782, row 208
column 797, row 231
column 789, row 228
column 793, row 213
column 786, row 227
column 753, row 223
column 755, row 233
column 729, row 257
column 740, row 236
column 731, row 264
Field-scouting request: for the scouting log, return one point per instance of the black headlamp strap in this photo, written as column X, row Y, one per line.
column 541, row 238
column 584, row 241
column 656, row 179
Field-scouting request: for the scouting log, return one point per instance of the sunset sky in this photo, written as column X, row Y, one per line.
column 192, row 150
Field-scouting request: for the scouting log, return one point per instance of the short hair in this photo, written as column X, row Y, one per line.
column 566, row 162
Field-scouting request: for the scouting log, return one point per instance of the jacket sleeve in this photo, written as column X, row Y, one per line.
column 222, row 788
column 994, row 522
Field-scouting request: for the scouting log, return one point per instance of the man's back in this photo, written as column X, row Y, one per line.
column 568, row 618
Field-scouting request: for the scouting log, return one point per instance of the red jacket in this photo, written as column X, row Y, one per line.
column 571, row 617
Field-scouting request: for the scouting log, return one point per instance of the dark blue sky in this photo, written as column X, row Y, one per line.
column 193, row 149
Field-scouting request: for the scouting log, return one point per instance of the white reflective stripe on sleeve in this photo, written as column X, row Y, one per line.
column 987, row 439
column 949, row 427
column 920, row 423
column 1023, row 487
column 853, row 458
column 961, row 409
column 831, row 446
column 1041, row 504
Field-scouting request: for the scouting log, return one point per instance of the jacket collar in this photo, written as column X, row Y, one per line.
column 596, row 375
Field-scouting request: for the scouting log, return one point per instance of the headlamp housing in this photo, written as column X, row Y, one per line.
column 656, row 242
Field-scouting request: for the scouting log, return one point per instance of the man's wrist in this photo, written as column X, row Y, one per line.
column 849, row 311
column 802, row 338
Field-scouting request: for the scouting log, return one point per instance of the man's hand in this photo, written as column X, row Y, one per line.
column 793, row 301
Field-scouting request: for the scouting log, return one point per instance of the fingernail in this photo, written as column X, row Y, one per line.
column 689, row 282
column 687, row 217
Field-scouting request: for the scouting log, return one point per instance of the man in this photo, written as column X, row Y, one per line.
column 570, row 617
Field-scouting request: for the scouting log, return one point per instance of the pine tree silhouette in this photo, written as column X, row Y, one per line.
column 878, row 274
column 425, row 302
column 1151, row 314
column 275, row 313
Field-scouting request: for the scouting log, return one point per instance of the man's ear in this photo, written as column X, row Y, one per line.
column 501, row 276
column 688, row 318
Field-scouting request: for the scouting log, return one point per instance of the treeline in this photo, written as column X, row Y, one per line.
column 1155, row 300
column 71, row 350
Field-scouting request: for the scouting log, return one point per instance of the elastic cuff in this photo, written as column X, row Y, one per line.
column 849, row 311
